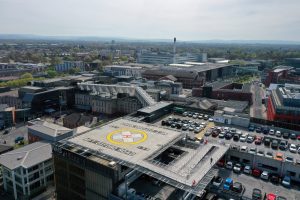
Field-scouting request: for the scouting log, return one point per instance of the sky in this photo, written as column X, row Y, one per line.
column 154, row 19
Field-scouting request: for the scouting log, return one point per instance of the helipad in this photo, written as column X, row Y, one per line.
column 128, row 140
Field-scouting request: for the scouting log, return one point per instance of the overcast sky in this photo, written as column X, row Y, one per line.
column 153, row 19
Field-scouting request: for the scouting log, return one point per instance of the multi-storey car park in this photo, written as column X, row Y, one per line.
column 102, row 163
column 140, row 157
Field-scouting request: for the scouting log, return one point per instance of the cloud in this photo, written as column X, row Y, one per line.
column 188, row 19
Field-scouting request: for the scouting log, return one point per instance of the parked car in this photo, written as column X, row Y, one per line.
column 250, row 138
column 269, row 154
column 217, row 181
column 286, row 181
column 208, row 132
column 293, row 148
column 258, row 129
column 264, row 175
column 243, row 138
column 229, row 165
column 278, row 134
column 267, row 141
column 271, row 196
column 247, row 169
column 258, row 140
column 221, row 163
column 19, row 139
column 244, row 149
column 289, row 159
column 228, row 184
column 286, row 135
column 279, row 156
column 252, row 150
column 293, row 136
column 222, row 135
column 298, row 150
column 283, row 145
column 274, row 178
column 215, row 133
column 251, row 128
column 237, row 187
column 272, row 132
column 256, row 194
column 237, row 168
column 236, row 137
column 274, row 144
column 228, row 135
column 260, row 152
column 256, row 172
column 210, row 119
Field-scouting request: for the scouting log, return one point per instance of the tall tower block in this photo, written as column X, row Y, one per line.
column 174, row 50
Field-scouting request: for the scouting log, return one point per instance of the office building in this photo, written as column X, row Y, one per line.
column 67, row 65
column 27, row 171
column 191, row 75
column 165, row 58
column 224, row 91
column 284, row 104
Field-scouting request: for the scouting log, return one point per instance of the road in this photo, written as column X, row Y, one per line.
column 20, row 130
column 257, row 109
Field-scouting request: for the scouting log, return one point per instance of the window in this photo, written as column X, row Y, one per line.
column 291, row 173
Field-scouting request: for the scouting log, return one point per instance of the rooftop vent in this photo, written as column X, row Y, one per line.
column 20, row 158
column 112, row 164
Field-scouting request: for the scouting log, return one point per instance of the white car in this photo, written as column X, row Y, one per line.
column 243, row 138
column 229, row 165
column 244, row 149
column 272, row 132
column 293, row 148
column 264, row 175
column 211, row 119
column 185, row 114
column 247, row 169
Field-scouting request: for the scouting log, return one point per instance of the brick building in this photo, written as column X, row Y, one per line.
column 224, row 91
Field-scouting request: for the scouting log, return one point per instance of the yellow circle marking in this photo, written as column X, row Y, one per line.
column 143, row 133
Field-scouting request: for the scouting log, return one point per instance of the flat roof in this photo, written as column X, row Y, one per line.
column 156, row 106
column 27, row 156
column 136, row 144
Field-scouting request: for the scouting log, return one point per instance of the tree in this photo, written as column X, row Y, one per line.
column 26, row 75
column 51, row 73
column 74, row 70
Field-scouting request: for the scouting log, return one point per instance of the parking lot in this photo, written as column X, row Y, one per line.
column 249, row 183
column 198, row 125
column 261, row 148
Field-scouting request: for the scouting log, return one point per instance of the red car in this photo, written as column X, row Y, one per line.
column 298, row 137
column 215, row 133
column 256, row 172
column 258, row 140
column 221, row 163
column 271, row 196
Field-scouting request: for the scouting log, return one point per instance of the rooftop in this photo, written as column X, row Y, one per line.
column 157, row 106
column 48, row 128
column 159, row 152
column 27, row 156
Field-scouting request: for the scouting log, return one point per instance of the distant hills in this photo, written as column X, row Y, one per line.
column 123, row 39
